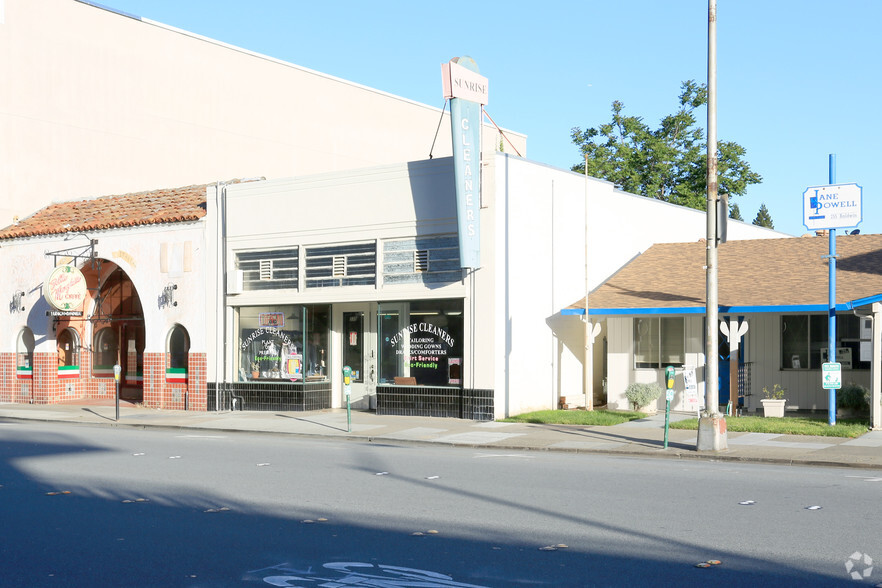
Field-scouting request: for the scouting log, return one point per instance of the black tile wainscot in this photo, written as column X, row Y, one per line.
column 269, row 396
column 476, row 405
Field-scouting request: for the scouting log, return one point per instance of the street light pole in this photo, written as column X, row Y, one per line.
column 712, row 425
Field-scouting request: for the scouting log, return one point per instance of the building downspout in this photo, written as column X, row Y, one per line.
column 221, row 348
column 588, row 354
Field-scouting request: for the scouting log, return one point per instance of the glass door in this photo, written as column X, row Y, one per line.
column 357, row 332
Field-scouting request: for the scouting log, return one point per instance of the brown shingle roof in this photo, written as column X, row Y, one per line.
column 110, row 212
column 752, row 273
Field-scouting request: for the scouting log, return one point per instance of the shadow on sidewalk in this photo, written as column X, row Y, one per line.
column 603, row 435
column 98, row 414
column 303, row 420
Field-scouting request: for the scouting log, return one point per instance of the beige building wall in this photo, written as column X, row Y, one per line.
column 94, row 103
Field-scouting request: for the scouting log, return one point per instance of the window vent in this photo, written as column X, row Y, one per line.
column 339, row 266
column 421, row 260
column 266, row 269
column 350, row 264
column 274, row 269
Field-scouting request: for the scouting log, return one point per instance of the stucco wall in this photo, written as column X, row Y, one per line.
column 97, row 103
column 540, row 245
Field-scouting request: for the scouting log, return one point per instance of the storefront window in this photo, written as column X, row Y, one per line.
column 659, row 342
column 178, row 348
column 420, row 343
column 287, row 343
column 106, row 348
column 68, row 348
column 24, row 357
column 804, row 341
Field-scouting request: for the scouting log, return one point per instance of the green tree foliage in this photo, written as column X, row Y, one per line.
column 735, row 213
column 668, row 163
column 763, row 218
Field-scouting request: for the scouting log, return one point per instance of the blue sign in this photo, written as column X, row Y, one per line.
column 466, row 127
column 466, row 117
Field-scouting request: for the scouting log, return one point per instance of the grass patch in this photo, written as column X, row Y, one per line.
column 786, row 426
column 576, row 417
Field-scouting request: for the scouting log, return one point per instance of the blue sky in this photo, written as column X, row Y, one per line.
column 797, row 79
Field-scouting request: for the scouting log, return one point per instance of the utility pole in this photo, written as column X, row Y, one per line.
column 712, row 425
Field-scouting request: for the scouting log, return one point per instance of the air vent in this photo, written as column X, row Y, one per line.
column 339, row 266
column 266, row 269
column 421, row 260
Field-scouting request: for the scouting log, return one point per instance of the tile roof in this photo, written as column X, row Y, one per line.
column 151, row 207
column 751, row 273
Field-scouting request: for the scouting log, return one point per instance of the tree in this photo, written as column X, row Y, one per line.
column 735, row 213
column 668, row 163
column 763, row 218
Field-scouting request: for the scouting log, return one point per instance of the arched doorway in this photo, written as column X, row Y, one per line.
column 118, row 333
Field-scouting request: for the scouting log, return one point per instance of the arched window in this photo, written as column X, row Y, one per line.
column 178, row 347
column 24, row 353
column 105, row 351
column 68, row 342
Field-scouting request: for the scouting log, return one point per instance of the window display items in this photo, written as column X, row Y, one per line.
column 272, row 346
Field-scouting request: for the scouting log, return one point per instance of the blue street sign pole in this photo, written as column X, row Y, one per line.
column 831, row 327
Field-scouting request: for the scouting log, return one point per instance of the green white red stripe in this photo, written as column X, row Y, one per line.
column 66, row 372
column 176, row 375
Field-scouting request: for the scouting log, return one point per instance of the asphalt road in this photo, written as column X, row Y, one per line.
column 95, row 506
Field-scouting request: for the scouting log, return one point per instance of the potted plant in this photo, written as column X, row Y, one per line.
column 255, row 370
column 643, row 396
column 852, row 400
column 773, row 403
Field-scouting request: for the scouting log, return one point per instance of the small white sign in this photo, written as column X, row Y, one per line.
column 832, row 375
column 691, row 401
column 835, row 206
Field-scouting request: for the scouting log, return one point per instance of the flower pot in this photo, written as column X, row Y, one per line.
column 773, row 407
column 255, row 374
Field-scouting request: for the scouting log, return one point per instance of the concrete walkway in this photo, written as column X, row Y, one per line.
column 643, row 438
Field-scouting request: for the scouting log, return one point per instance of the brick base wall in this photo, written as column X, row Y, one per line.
column 189, row 395
column 45, row 387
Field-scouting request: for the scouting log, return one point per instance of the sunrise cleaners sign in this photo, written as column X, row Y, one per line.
column 65, row 288
column 835, row 206
column 467, row 91
column 425, row 348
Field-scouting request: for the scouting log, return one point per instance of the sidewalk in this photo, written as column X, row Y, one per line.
column 642, row 438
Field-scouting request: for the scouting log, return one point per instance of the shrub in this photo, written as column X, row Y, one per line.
column 640, row 395
column 853, row 396
column 776, row 393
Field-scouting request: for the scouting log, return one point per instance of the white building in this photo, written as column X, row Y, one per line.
column 376, row 267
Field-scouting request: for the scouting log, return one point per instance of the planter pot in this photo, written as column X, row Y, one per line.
column 773, row 407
